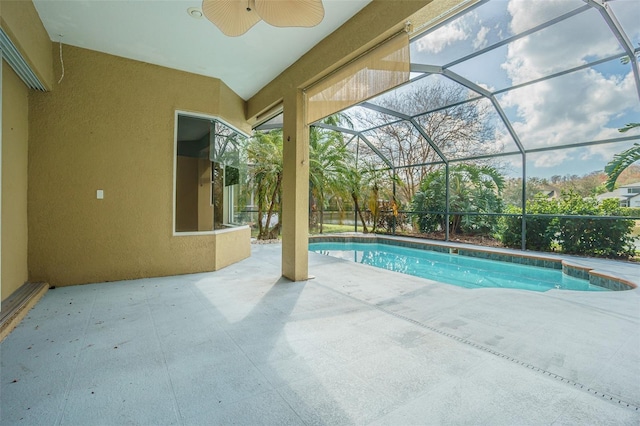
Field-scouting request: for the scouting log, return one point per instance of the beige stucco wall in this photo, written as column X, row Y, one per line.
column 15, row 110
column 20, row 20
column 232, row 245
column 232, row 105
column 110, row 126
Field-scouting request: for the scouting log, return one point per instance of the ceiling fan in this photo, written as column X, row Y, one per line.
column 236, row 17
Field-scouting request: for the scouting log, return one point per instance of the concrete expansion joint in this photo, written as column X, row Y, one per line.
column 609, row 398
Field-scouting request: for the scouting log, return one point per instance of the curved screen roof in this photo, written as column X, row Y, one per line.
column 544, row 75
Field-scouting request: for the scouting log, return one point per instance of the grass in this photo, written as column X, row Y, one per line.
column 330, row 228
column 327, row 228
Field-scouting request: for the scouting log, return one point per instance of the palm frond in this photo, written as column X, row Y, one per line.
column 619, row 163
column 628, row 127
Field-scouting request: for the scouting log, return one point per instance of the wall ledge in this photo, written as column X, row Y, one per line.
column 16, row 306
column 216, row 232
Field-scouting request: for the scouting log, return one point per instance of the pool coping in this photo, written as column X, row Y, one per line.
column 573, row 267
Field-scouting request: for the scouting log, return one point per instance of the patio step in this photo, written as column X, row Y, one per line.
column 16, row 306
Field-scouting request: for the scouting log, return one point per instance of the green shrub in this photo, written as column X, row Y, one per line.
column 597, row 237
column 510, row 228
column 630, row 211
column 472, row 189
column 540, row 233
column 594, row 237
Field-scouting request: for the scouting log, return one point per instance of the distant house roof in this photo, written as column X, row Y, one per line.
column 631, row 185
column 608, row 195
column 548, row 193
column 619, row 196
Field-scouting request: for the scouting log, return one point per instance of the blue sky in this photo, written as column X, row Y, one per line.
column 582, row 106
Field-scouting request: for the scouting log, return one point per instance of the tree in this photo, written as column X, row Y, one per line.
column 622, row 160
column 578, row 230
column 376, row 189
column 593, row 237
column 461, row 130
column 353, row 186
column 540, row 235
column 328, row 159
column 366, row 185
column 264, row 152
column 512, row 193
column 472, row 189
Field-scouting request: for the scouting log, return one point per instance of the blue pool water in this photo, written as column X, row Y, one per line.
column 463, row 271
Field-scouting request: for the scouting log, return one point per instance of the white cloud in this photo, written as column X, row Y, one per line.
column 445, row 36
column 570, row 109
column 559, row 47
column 484, row 86
column 606, row 151
column 550, row 159
column 481, row 38
column 583, row 106
column 527, row 14
column 576, row 107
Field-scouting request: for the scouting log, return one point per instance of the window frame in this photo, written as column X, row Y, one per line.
column 177, row 114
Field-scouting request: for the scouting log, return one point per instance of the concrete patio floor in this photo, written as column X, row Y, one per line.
column 355, row 345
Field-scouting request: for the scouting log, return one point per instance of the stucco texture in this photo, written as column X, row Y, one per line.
column 232, row 244
column 15, row 115
column 110, row 125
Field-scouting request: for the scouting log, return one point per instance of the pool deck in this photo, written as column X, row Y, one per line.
column 354, row 345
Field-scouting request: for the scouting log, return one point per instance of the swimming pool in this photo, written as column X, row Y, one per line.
column 463, row 271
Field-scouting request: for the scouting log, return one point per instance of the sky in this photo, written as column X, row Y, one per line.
column 582, row 106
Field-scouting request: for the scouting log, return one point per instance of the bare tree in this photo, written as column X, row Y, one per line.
column 459, row 130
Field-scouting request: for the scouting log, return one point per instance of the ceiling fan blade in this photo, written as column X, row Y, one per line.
column 232, row 17
column 291, row 13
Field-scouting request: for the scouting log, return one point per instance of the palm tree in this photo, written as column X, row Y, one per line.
column 378, row 181
column 622, row 160
column 472, row 188
column 264, row 153
column 353, row 180
column 366, row 185
column 328, row 159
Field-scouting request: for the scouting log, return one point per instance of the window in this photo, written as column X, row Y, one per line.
column 208, row 174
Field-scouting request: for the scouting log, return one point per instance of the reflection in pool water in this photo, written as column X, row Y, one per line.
column 463, row 271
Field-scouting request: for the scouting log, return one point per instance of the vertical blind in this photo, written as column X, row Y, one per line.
column 382, row 68
column 10, row 53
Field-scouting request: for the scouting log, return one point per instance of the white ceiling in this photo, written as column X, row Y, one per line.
column 161, row 32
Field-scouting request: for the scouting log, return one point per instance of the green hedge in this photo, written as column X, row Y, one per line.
column 540, row 233
column 630, row 211
column 609, row 238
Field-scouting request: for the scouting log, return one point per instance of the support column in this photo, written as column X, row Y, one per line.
column 295, row 188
